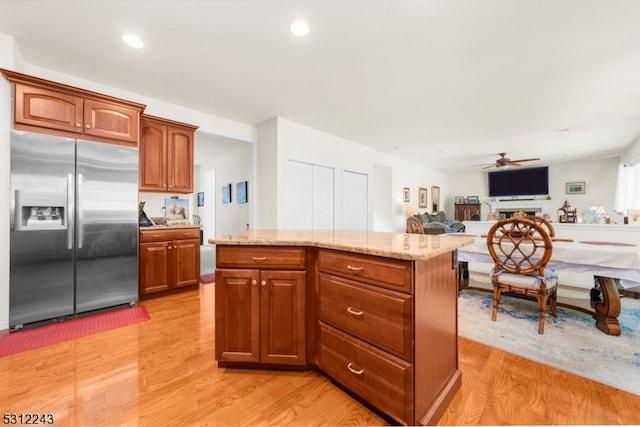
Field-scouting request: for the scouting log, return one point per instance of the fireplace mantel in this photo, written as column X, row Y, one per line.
column 512, row 205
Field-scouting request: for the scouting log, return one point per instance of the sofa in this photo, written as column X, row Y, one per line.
column 433, row 224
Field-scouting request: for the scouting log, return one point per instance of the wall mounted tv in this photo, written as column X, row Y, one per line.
column 519, row 182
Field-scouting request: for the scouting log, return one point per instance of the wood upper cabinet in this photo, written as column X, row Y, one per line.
column 50, row 107
column 169, row 259
column 260, row 311
column 166, row 155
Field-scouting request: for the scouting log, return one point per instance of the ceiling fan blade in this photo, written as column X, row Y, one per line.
column 523, row 160
column 491, row 166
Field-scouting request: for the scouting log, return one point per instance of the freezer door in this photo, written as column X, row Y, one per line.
column 41, row 228
column 107, row 225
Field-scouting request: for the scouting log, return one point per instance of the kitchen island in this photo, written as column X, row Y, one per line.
column 376, row 312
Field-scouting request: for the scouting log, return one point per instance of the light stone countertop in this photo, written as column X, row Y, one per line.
column 169, row 227
column 390, row 245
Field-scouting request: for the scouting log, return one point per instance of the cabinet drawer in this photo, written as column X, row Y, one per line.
column 392, row 274
column 264, row 257
column 379, row 378
column 378, row 316
column 162, row 234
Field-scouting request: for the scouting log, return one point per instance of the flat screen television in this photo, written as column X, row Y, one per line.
column 519, row 182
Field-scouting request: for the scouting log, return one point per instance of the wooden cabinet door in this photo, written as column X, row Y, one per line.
column 155, row 260
column 186, row 267
column 48, row 108
column 107, row 120
column 282, row 317
column 179, row 160
column 237, row 312
column 152, row 175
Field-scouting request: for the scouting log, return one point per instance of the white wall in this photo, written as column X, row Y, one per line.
column 280, row 140
column 599, row 177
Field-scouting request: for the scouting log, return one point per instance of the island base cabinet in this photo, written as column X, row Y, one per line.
column 260, row 316
column 381, row 379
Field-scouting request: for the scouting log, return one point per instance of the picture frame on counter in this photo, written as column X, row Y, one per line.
column 459, row 200
column 473, row 200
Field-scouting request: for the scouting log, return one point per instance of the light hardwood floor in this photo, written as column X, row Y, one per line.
column 163, row 372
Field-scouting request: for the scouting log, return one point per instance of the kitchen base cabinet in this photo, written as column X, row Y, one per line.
column 260, row 311
column 169, row 260
column 383, row 328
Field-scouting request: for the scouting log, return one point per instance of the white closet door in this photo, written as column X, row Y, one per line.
column 355, row 201
column 323, row 198
column 298, row 196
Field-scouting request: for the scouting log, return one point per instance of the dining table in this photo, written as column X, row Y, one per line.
column 614, row 266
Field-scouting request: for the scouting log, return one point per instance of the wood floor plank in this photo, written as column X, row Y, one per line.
column 163, row 373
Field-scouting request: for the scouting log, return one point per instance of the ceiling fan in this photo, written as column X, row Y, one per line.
column 505, row 162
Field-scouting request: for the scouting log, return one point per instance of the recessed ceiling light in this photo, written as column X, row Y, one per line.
column 133, row 41
column 299, row 28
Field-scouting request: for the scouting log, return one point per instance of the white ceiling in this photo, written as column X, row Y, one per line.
column 444, row 83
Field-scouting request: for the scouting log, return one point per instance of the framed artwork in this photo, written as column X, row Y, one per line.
column 405, row 194
column 226, row 193
column 176, row 211
column 633, row 216
column 435, row 199
column 422, row 197
column 575, row 187
column 200, row 199
column 459, row 200
column 241, row 192
column 473, row 200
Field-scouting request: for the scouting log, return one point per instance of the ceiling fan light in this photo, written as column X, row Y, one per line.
column 299, row 28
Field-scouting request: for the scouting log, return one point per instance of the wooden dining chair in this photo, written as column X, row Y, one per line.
column 521, row 249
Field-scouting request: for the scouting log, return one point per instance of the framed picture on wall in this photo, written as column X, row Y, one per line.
column 435, row 199
column 200, row 199
column 226, row 193
column 405, row 194
column 422, row 197
column 575, row 187
column 241, row 192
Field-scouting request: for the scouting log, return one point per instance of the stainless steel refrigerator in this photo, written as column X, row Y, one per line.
column 74, row 227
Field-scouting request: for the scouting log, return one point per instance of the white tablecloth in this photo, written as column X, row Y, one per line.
column 618, row 262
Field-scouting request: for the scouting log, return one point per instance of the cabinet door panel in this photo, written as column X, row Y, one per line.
column 187, row 262
column 48, row 108
column 111, row 121
column 237, row 315
column 153, row 158
column 180, row 160
column 154, row 267
column 282, row 317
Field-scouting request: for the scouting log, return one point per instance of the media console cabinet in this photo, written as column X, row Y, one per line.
column 376, row 312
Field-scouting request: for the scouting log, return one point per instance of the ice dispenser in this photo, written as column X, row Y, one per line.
column 40, row 211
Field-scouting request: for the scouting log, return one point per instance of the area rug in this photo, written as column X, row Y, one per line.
column 571, row 342
column 41, row 336
column 205, row 279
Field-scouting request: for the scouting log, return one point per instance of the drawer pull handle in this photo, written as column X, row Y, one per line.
column 355, row 371
column 354, row 312
column 355, row 269
column 259, row 258
column 263, row 283
column 254, row 282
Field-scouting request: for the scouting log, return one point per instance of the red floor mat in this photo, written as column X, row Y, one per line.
column 207, row 278
column 41, row 336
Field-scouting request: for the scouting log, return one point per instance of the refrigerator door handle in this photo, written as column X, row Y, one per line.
column 70, row 210
column 79, row 216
